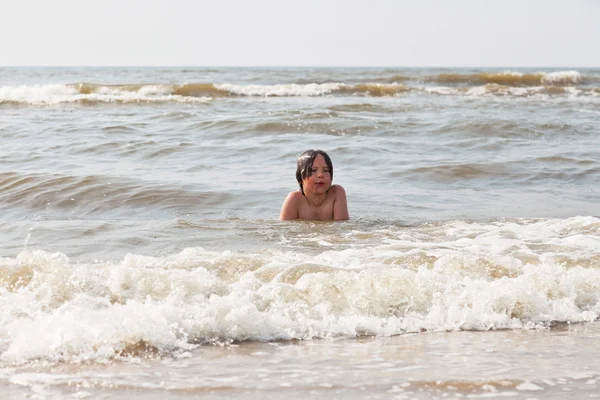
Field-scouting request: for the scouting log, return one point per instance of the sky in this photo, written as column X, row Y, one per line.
column 499, row 33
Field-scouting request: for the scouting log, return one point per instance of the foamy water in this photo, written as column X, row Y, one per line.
column 502, row 83
column 140, row 236
column 445, row 277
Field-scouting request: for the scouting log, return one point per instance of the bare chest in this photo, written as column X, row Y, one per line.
column 324, row 212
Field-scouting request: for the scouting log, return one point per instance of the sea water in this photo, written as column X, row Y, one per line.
column 142, row 255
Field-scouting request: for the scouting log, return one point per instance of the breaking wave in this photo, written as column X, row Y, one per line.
column 511, row 84
column 459, row 275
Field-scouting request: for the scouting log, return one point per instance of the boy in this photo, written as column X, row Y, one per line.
column 317, row 198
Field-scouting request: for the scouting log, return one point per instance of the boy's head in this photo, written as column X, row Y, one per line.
column 305, row 163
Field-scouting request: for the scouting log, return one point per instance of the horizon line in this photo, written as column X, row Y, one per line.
column 292, row 66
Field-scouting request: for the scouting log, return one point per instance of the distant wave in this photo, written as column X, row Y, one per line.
column 92, row 93
column 560, row 83
column 511, row 78
column 494, row 89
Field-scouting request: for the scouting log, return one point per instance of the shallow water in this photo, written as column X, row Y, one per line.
column 543, row 364
column 139, row 228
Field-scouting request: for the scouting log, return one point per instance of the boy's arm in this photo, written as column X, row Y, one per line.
column 289, row 210
column 340, row 206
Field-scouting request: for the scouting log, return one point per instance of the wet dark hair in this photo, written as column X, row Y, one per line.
column 305, row 163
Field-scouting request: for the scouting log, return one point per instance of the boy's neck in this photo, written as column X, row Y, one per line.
column 315, row 200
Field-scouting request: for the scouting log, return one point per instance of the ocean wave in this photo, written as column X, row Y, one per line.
column 450, row 172
column 292, row 89
column 458, row 275
column 90, row 94
column 507, row 85
column 497, row 90
column 93, row 194
column 311, row 90
column 510, row 78
column 543, row 169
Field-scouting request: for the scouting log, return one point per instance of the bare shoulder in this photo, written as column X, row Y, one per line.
column 337, row 190
column 291, row 206
column 340, row 204
column 294, row 196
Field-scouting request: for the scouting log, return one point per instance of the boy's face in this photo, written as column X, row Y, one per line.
column 320, row 179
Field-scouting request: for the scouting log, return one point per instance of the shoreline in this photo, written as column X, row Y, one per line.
column 543, row 363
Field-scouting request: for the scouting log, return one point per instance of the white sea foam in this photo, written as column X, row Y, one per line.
column 510, row 91
column 37, row 94
column 292, row 89
column 528, row 386
column 563, row 77
column 443, row 90
column 511, row 73
column 453, row 276
column 496, row 90
column 56, row 94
